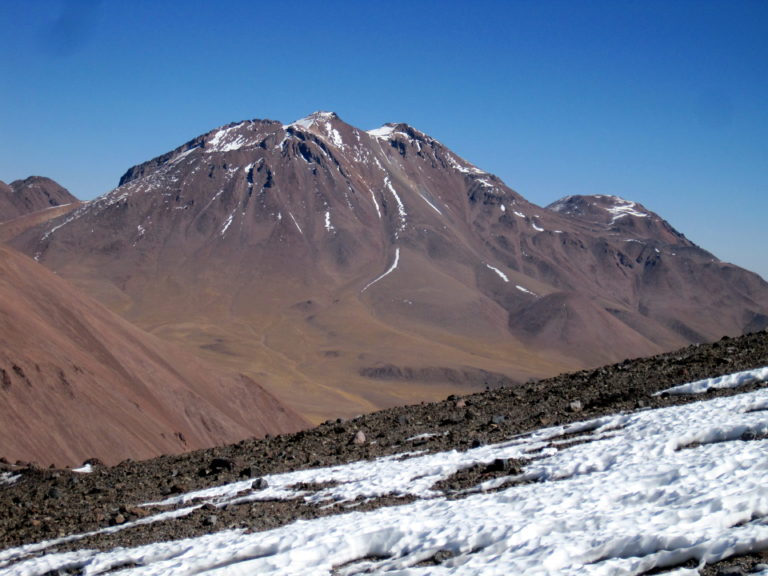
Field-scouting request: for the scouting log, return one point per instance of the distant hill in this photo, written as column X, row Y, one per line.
column 32, row 194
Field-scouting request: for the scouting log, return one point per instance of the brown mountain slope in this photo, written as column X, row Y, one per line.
column 31, row 195
column 350, row 270
column 77, row 381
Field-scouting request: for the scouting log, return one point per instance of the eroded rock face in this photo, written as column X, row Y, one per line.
column 319, row 255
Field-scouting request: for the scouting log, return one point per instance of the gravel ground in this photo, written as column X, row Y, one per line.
column 46, row 503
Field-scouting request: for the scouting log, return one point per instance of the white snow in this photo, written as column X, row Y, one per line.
column 295, row 222
column 228, row 139
column 328, row 226
column 518, row 214
column 524, row 289
column 308, row 121
column 727, row 381
column 376, row 204
column 503, row 208
column 462, row 166
column 334, row 135
column 499, row 272
column 384, row 132
column 7, row 478
column 622, row 208
column 181, row 155
column 84, row 469
column 618, row 495
column 227, row 223
column 400, row 205
column 429, row 202
column 536, row 227
column 389, row 271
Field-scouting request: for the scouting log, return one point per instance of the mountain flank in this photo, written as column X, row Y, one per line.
column 78, row 381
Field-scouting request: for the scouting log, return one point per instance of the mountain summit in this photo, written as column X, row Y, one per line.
column 350, row 270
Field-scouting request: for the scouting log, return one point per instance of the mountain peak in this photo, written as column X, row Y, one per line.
column 318, row 117
column 605, row 208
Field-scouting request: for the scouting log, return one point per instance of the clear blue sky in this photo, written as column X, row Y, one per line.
column 662, row 102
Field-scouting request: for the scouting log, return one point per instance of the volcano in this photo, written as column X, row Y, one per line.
column 350, row 270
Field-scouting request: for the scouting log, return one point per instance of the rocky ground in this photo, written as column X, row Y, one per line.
column 46, row 503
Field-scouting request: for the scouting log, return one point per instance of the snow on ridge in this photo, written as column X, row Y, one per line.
column 621, row 494
column 384, row 132
column 728, row 381
column 387, row 273
column 227, row 139
column 308, row 121
column 622, row 208
column 499, row 272
column 465, row 168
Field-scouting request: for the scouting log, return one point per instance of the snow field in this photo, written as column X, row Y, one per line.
column 618, row 495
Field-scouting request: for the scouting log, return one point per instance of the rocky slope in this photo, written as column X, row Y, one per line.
column 76, row 380
column 32, row 194
column 351, row 270
column 42, row 504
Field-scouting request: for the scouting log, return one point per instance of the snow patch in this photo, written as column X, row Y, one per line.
column 728, row 381
column 622, row 208
column 8, row 478
column 227, row 223
column 431, row 205
column 328, row 226
column 375, row 204
column 400, row 205
column 384, row 132
column 295, row 222
column 387, row 273
column 499, row 272
column 524, row 289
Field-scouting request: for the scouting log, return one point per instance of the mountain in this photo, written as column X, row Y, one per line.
column 31, row 195
column 351, row 270
column 78, row 381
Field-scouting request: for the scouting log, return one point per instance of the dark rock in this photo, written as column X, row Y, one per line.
column 504, row 465
column 259, row 484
